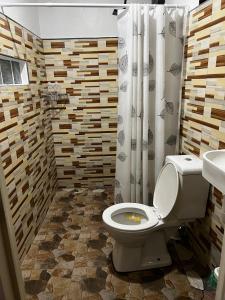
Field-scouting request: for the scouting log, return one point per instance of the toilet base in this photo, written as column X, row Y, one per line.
column 150, row 254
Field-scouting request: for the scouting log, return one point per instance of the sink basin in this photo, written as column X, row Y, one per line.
column 214, row 168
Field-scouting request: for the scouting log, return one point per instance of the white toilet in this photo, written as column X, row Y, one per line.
column 141, row 232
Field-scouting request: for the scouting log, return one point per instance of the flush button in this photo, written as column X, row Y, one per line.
column 188, row 159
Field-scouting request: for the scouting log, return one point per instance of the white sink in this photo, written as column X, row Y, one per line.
column 214, row 168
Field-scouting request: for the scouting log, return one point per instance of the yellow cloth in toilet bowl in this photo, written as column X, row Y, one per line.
column 134, row 217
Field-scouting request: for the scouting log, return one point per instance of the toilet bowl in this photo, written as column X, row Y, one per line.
column 141, row 232
column 129, row 222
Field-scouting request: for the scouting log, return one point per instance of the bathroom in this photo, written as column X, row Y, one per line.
column 99, row 199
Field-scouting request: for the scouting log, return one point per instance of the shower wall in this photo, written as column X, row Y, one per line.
column 203, row 117
column 26, row 141
column 71, row 140
column 84, row 126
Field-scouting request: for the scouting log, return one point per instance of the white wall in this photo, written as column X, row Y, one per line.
column 58, row 22
column 78, row 22
column 26, row 16
column 86, row 22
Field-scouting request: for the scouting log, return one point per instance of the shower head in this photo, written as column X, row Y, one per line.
column 115, row 12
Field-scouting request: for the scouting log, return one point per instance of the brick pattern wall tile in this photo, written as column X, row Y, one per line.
column 84, row 127
column 26, row 140
column 203, row 110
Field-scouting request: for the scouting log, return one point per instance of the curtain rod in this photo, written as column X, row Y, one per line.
column 49, row 4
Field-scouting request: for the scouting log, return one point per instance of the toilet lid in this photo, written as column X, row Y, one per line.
column 166, row 190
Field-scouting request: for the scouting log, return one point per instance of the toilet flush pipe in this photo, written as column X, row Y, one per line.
column 220, row 291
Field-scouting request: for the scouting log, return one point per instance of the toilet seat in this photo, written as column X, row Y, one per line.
column 148, row 213
column 136, row 217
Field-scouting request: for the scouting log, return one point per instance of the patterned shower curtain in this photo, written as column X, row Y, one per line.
column 150, row 51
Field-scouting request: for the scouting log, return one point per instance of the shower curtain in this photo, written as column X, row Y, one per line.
column 150, row 51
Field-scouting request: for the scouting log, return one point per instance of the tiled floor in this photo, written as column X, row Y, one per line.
column 70, row 259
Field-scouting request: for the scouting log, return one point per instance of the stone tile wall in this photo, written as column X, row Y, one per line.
column 85, row 124
column 203, row 111
column 26, row 141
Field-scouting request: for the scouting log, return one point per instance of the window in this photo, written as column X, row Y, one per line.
column 13, row 71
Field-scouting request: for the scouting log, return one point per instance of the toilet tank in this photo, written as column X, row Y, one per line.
column 193, row 188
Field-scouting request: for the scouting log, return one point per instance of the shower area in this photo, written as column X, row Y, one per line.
column 58, row 131
column 76, row 81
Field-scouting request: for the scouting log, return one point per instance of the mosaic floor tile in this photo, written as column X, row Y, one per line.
column 70, row 258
